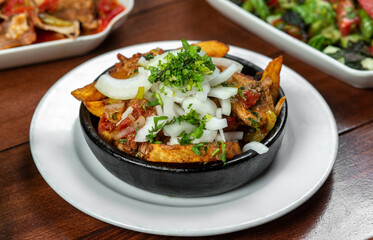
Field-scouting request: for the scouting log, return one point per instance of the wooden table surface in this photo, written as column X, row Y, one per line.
column 30, row 209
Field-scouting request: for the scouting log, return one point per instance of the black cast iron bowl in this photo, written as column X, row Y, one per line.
column 186, row 180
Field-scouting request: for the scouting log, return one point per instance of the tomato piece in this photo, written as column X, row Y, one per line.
column 124, row 123
column 250, row 98
column 105, row 125
column 367, row 5
column 290, row 29
column 272, row 3
column 347, row 17
column 107, row 10
column 15, row 7
column 49, row 6
column 232, row 123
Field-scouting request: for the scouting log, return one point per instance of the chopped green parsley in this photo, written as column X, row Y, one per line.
column 186, row 70
column 149, row 56
column 254, row 123
column 153, row 132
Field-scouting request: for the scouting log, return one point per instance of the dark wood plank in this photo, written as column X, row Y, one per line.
column 30, row 209
column 145, row 5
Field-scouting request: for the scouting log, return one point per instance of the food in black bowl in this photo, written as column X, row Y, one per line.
column 212, row 128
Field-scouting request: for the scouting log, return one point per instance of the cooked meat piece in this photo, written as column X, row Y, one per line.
column 48, row 22
column 16, row 31
column 258, row 96
column 253, row 93
column 80, row 10
column 184, row 154
column 122, row 132
column 127, row 66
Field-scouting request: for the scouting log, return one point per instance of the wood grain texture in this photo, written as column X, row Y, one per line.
column 30, row 209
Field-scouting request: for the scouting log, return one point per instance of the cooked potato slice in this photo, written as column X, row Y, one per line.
column 214, row 48
column 184, row 154
column 95, row 107
column 279, row 104
column 88, row 93
column 272, row 71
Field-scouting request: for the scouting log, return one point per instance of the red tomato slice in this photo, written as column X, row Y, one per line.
column 347, row 18
column 250, row 98
column 367, row 5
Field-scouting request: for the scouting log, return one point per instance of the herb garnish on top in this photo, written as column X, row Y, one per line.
column 186, row 70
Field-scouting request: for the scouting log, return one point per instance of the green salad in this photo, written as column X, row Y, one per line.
column 342, row 29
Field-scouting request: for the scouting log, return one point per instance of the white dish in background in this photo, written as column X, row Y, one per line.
column 299, row 49
column 52, row 50
column 65, row 161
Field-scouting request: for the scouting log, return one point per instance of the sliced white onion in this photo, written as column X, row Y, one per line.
column 214, row 74
column 177, row 99
column 202, row 95
column 224, row 76
column 178, row 110
column 223, row 92
column 208, row 136
column 221, row 134
column 139, row 123
column 168, row 106
column 142, row 61
column 216, row 123
column 159, row 110
column 233, row 136
column 202, row 53
column 143, row 131
column 166, row 90
column 225, row 62
column 173, row 141
column 201, row 107
column 219, row 113
column 155, row 87
column 148, row 96
column 256, row 146
column 170, row 92
column 225, row 106
column 180, row 94
column 123, row 88
column 176, row 128
column 128, row 111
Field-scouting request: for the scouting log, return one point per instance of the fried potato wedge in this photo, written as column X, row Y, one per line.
column 184, row 154
column 95, row 107
column 214, row 48
column 279, row 105
column 88, row 93
column 272, row 71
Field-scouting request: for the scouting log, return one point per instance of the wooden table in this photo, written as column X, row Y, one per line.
column 30, row 209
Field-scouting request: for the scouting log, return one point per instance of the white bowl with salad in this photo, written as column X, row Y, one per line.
column 343, row 48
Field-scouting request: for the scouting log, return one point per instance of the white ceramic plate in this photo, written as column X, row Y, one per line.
column 63, row 158
column 299, row 49
column 40, row 52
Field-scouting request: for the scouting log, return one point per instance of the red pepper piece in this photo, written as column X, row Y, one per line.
column 250, row 98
